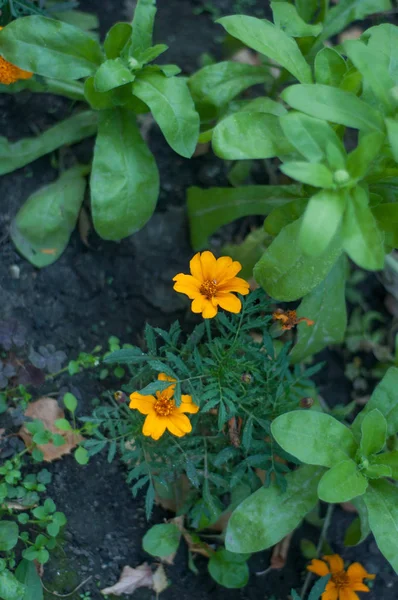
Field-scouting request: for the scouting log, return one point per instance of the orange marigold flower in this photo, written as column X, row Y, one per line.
column 162, row 412
column 289, row 318
column 342, row 584
column 9, row 73
column 211, row 284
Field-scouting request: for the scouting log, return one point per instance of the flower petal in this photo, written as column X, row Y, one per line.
column 142, row 403
column 198, row 304
column 209, row 310
column 222, row 265
column 347, row 594
column 331, row 592
column 186, row 284
column 195, row 266
column 356, row 572
column 164, row 377
column 208, row 261
column 319, row 567
column 187, row 405
column 335, row 561
column 357, row 586
column 178, row 424
column 154, row 426
column 230, row 272
column 236, row 284
column 229, row 302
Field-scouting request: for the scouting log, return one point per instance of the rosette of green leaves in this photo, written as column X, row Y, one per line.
column 119, row 83
column 339, row 202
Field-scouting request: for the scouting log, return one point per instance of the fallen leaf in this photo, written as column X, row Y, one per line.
column 160, row 582
column 84, row 226
column 132, row 579
column 48, row 411
column 280, row 552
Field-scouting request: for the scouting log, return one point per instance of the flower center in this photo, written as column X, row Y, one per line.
column 209, row 288
column 163, row 406
column 341, row 580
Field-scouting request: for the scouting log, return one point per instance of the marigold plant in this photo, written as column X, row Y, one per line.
column 343, row 583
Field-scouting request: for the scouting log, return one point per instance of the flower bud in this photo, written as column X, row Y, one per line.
column 341, row 176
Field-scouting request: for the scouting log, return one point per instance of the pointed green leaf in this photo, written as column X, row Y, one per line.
column 342, row 483
column 283, row 215
column 27, row 574
column 50, row 48
column 314, row 174
column 97, row 100
column 383, row 42
column 359, row 529
column 384, row 398
column 246, row 135
column 314, row 437
column 374, row 433
column 124, row 177
column 269, row 514
column 326, row 306
column 330, row 67
column 43, row 226
column 362, row 239
column 14, row 155
column 388, row 459
column 377, row 471
column 382, row 503
column 172, row 107
column 111, row 74
column 286, row 273
column 229, row 569
column 268, row 39
column 332, row 104
column 210, row 209
column 360, row 160
column 116, row 39
column 321, row 221
column 288, row 19
column 143, row 23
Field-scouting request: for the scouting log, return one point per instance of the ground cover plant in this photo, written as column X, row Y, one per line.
column 214, row 418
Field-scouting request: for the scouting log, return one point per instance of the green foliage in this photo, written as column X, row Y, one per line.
column 162, row 540
column 229, row 569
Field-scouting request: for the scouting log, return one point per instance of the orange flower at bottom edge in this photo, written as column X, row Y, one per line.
column 10, row 73
column 289, row 318
column 211, row 284
column 162, row 412
column 342, row 584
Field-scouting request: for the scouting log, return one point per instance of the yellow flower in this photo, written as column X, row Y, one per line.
column 211, row 284
column 162, row 412
column 9, row 73
column 343, row 584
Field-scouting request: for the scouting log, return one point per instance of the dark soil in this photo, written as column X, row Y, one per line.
column 113, row 289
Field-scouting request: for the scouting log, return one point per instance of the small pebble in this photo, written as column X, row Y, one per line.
column 15, row 271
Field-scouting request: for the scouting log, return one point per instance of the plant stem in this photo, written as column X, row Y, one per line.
column 70, row 89
column 322, row 537
column 208, row 330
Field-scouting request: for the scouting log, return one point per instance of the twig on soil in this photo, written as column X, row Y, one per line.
column 70, row 593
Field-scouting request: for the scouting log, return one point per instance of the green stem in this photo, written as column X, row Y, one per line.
column 208, row 330
column 70, row 89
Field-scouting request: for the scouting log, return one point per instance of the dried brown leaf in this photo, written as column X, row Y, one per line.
column 160, row 582
column 84, row 226
column 280, row 552
column 130, row 580
column 48, row 411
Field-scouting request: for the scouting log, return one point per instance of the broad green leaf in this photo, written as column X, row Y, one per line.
column 342, row 482
column 124, row 177
column 143, row 23
column 321, row 221
column 359, row 529
column 319, row 586
column 268, row 39
column 14, row 155
column 373, row 71
column 263, row 104
column 332, row 104
column 246, row 135
column 362, row 239
column 283, row 215
column 392, row 130
column 314, row 174
column 8, row 535
column 345, row 12
column 311, row 137
column 27, row 574
column 269, row 514
column 360, row 160
column 247, row 252
column 78, row 18
column 377, row 471
column 306, row 8
column 384, row 398
column 210, row 209
column 43, row 226
column 153, row 52
column 70, row 402
column 50, row 48
column 97, row 100
column 218, row 84
column 10, row 587
column 313, row 437
column 81, row 456
column 286, row 273
column 382, row 504
column 389, row 459
column 329, row 67
column 383, row 42
column 112, row 74
column 326, row 306
column 374, row 433
column 288, row 19
column 172, row 107
column 229, row 569
column 116, row 39
column 162, row 540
